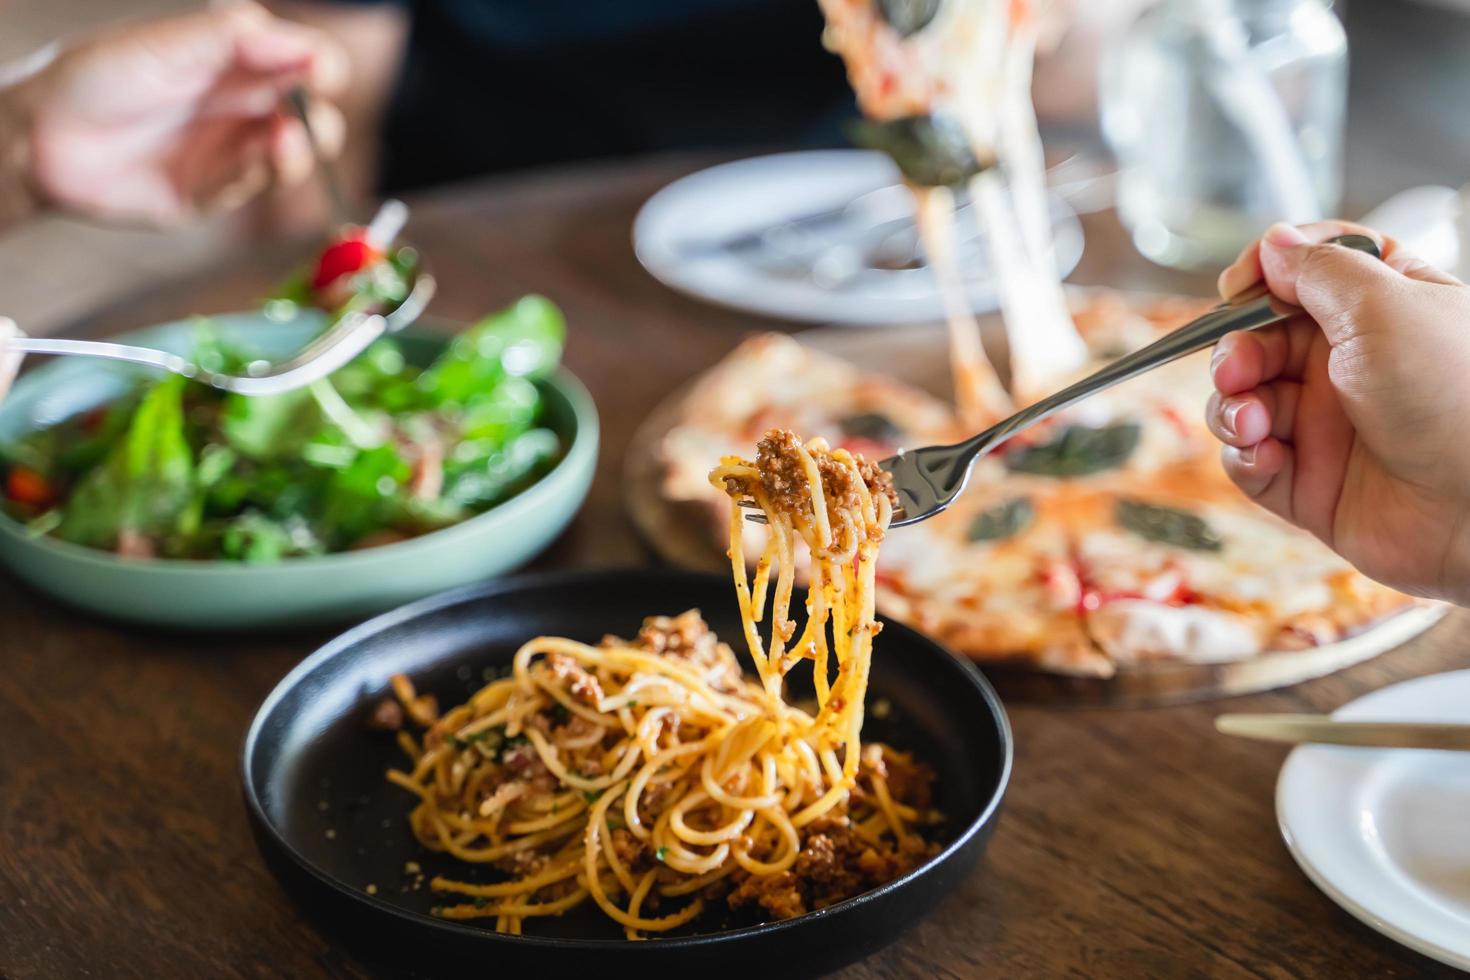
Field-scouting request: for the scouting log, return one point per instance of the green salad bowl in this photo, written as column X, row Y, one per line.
column 226, row 595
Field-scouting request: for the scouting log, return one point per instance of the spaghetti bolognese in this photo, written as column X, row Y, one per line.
column 651, row 776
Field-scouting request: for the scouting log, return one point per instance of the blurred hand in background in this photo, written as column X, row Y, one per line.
column 157, row 122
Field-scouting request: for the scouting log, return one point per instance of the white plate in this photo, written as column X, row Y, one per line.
column 677, row 232
column 1386, row 832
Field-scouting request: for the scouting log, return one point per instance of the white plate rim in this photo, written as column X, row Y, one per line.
column 820, row 307
column 1301, row 758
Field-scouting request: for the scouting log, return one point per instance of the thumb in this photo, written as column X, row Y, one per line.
column 1344, row 290
column 1282, row 250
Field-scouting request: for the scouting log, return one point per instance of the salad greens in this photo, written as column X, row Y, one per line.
column 380, row 451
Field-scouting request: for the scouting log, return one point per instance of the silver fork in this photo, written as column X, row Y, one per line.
column 298, row 101
column 336, row 346
column 930, row 479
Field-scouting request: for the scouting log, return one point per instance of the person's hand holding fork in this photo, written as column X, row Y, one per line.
column 157, row 122
column 1349, row 420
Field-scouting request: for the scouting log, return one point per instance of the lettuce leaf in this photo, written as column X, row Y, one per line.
column 146, row 482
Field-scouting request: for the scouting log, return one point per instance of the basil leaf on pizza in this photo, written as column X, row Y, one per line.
column 1003, row 520
column 1078, row 450
column 1167, row 525
column 873, row 426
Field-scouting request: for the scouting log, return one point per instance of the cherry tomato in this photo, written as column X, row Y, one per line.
column 342, row 258
column 26, row 486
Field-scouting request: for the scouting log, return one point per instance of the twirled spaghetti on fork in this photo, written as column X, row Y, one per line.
column 651, row 776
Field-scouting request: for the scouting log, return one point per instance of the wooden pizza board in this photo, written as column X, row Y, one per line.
column 681, row 534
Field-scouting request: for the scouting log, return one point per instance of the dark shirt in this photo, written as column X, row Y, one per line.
column 503, row 84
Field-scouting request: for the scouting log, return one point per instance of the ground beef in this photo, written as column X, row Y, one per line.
column 520, row 759
column 820, row 866
column 687, row 637
column 782, row 474
column 652, row 800
column 582, row 685
column 909, row 781
column 631, row 851
column 878, row 481
column 778, row 894
column 785, row 480
column 835, row 863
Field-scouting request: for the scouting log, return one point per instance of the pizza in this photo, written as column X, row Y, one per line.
column 1106, row 539
column 773, row 381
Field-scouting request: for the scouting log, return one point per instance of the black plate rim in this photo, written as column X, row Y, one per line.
column 584, row 578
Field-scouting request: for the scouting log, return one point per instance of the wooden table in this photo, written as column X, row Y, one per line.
column 1132, row 843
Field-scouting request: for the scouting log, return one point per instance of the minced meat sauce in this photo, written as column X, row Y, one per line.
column 784, row 478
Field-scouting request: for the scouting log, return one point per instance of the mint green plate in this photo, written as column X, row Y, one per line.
column 217, row 595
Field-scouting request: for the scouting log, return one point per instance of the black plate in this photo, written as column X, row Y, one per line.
column 329, row 825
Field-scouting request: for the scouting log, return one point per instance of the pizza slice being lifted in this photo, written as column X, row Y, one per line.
column 945, row 86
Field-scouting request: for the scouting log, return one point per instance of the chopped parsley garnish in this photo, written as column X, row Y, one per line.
column 592, row 795
column 661, row 853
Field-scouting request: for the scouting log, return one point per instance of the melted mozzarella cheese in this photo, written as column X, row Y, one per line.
column 1134, row 630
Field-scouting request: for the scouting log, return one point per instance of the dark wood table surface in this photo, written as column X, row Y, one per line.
column 1132, row 843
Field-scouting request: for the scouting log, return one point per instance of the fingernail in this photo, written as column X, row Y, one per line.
column 1221, row 352
column 1283, row 235
column 1228, row 414
column 1248, row 455
column 1225, row 284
